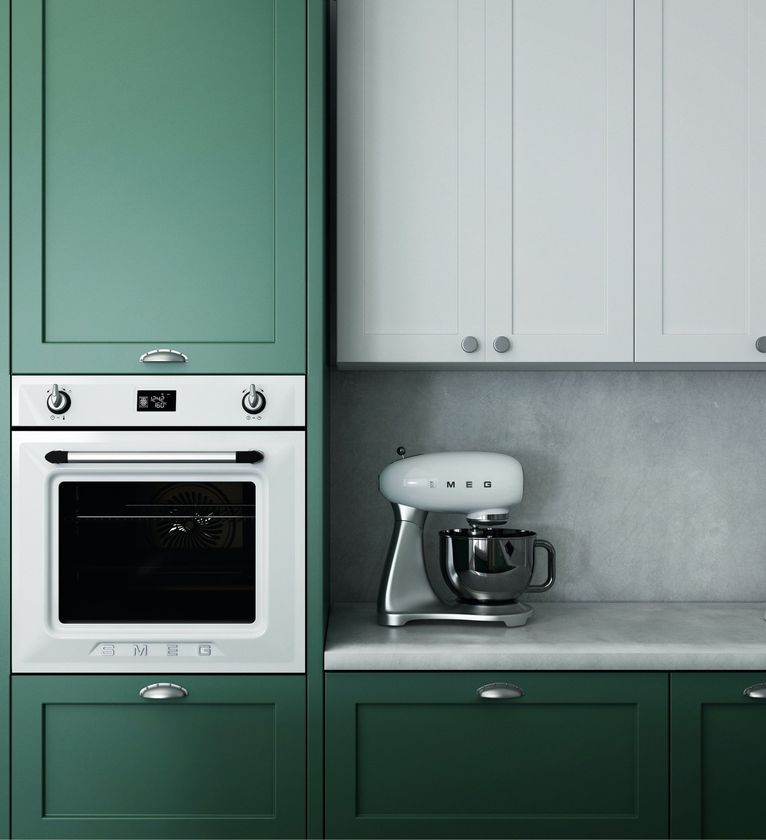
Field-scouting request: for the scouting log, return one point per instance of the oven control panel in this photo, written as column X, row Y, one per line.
column 245, row 401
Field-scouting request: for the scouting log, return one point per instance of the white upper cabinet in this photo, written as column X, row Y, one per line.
column 485, row 181
column 410, row 180
column 559, row 185
column 700, row 180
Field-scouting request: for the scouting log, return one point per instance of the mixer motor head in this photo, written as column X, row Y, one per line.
column 481, row 485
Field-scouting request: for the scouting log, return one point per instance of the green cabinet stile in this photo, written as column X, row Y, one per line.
column 718, row 739
column 159, row 185
column 421, row 755
column 94, row 760
column 5, row 413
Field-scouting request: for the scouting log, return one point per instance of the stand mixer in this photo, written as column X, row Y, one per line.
column 485, row 567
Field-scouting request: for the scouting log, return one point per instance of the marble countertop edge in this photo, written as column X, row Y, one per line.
column 563, row 636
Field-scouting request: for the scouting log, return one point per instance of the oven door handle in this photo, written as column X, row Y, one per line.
column 247, row 456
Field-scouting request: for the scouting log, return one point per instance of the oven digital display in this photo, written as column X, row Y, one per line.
column 156, row 401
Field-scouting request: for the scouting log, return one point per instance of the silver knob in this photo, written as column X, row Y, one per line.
column 500, row 691
column 58, row 401
column 760, row 344
column 502, row 344
column 470, row 344
column 163, row 691
column 756, row 692
column 254, row 402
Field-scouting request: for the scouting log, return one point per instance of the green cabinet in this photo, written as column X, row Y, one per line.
column 718, row 742
column 158, row 185
column 422, row 755
column 92, row 759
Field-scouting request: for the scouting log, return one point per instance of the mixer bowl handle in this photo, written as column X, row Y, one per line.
column 549, row 581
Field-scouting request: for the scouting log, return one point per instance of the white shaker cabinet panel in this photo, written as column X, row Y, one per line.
column 559, row 152
column 700, row 180
column 410, row 170
column 485, row 181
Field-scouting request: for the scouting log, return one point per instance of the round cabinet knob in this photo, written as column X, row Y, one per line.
column 502, row 344
column 470, row 344
column 253, row 402
column 760, row 344
column 58, row 402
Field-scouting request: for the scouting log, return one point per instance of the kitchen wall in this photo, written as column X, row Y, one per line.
column 652, row 485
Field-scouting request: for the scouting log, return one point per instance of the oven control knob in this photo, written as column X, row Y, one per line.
column 58, row 401
column 253, row 402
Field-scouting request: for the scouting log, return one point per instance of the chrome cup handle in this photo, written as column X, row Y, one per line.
column 499, row 691
column 756, row 692
column 550, row 580
column 163, row 691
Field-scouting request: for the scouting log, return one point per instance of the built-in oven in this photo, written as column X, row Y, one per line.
column 158, row 524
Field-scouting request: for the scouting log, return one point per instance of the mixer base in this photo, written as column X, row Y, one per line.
column 512, row 615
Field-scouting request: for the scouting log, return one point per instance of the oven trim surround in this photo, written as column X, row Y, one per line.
column 275, row 643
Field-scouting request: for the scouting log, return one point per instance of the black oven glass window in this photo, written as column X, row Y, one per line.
column 156, row 552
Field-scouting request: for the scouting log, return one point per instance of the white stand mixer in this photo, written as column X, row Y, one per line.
column 482, row 486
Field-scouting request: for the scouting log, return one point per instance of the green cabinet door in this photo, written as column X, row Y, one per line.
column 91, row 759
column 421, row 755
column 158, row 175
column 718, row 743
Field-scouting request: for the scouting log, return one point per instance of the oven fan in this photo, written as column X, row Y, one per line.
column 198, row 517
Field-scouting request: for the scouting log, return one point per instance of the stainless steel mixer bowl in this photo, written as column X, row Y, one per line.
column 492, row 565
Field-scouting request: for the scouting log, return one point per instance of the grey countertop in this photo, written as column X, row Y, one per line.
column 560, row 636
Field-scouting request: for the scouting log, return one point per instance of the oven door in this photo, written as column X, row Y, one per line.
column 158, row 551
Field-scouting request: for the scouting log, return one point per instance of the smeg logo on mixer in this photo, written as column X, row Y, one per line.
column 468, row 484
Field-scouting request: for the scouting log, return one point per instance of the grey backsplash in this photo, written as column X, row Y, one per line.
column 652, row 485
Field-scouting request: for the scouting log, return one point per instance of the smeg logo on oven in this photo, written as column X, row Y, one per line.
column 155, row 649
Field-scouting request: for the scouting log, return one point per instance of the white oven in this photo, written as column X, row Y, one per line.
column 158, row 524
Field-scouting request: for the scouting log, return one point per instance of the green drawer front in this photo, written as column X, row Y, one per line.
column 93, row 759
column 718, row 743
column 580, row 755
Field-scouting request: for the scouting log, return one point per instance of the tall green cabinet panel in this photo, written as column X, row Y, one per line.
column 159, row 185
column 422, row 755
column 92, row 759
column 718, row 740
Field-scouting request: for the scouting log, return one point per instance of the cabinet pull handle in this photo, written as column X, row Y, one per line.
column 502, row 344
column 500, row 691
column 164, row 355
column 163, row 691
column 756, row 692
column 470, row 344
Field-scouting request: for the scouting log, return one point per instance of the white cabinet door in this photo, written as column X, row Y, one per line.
column 700, row 180
column 410, row 180
column 559, row 191
column 485, row 180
